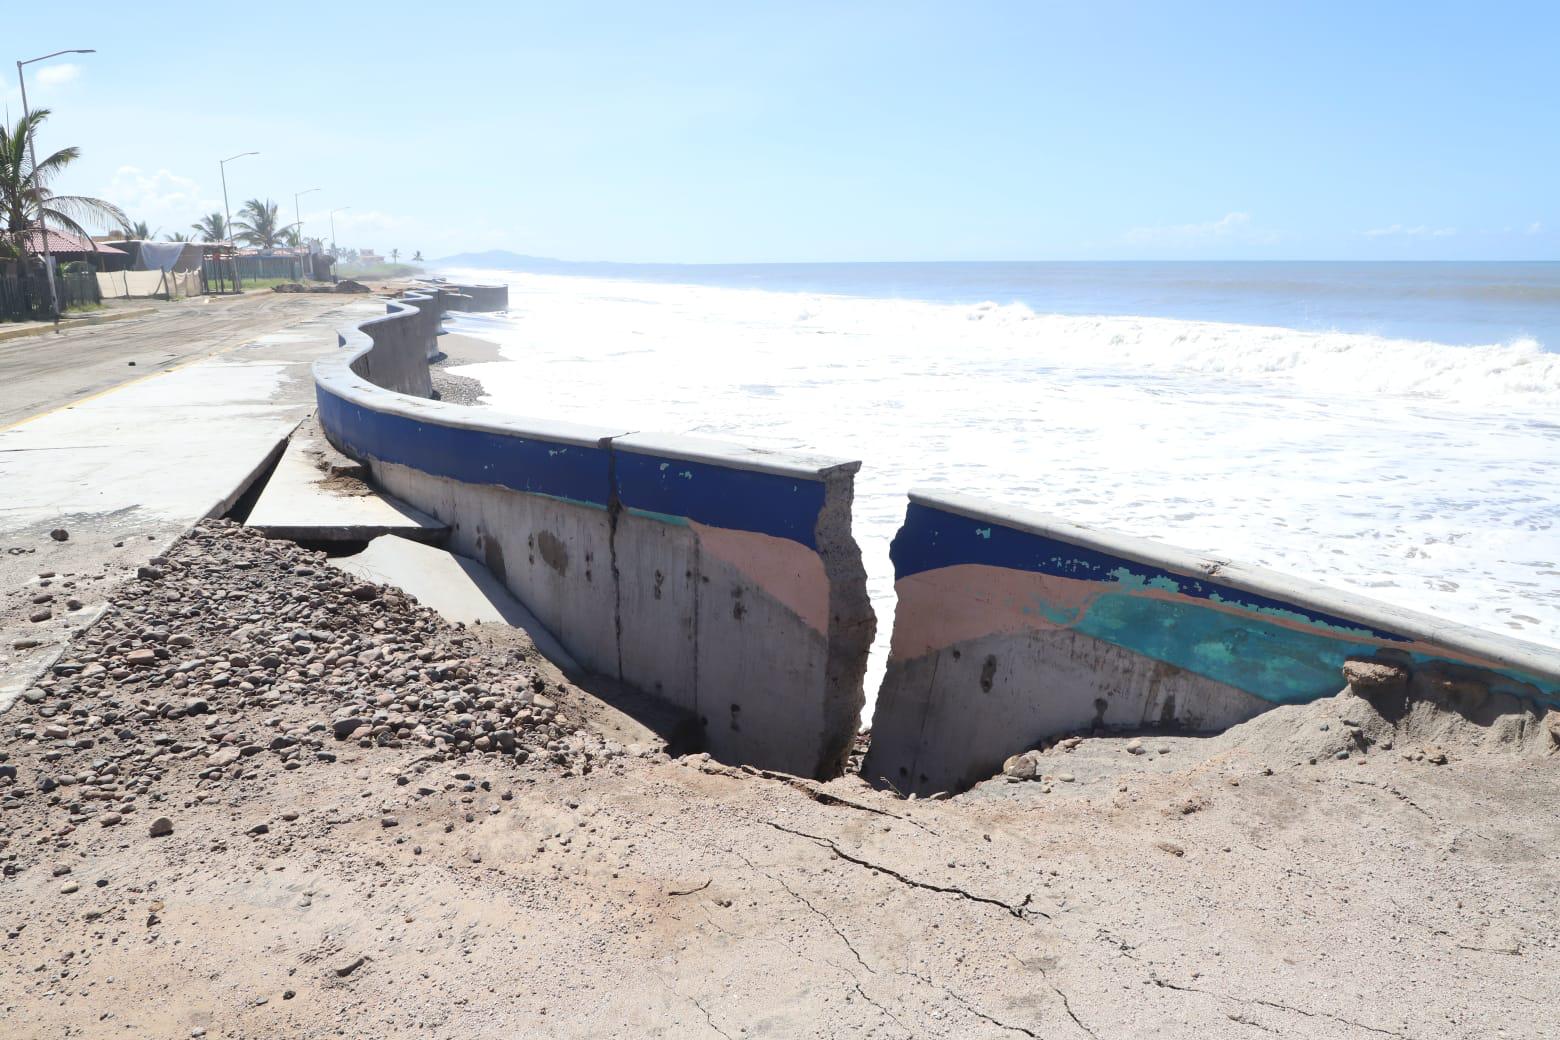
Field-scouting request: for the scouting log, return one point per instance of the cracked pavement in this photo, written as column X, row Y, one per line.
column 684, row 898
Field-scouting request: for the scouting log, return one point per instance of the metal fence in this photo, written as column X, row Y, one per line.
column 25, row 296
column 217, row 272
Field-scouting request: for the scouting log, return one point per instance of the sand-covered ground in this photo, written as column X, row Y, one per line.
column 259, row 799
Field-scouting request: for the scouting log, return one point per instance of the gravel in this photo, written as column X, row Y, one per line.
column 235, row 654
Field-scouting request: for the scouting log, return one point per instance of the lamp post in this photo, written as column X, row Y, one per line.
column 228, row 216
column 32, row 158
column 333, row 228
column 298, row 215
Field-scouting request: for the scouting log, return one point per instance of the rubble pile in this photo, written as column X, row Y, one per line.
column 235, row 655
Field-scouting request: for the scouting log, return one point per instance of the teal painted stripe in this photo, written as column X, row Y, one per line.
column 1277, row 663
column 665, row 518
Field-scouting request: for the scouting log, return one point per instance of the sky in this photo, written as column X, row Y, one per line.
column 799, row 131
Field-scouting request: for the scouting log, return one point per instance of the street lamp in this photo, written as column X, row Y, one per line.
column 297, row 214
column 333, row 228
column 32, row 159
column 228, row 215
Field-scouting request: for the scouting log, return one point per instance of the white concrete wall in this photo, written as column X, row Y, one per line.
column 720, row 579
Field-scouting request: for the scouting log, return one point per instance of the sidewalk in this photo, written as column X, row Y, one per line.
column 124, row 473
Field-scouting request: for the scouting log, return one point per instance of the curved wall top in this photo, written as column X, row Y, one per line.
column 725, row 580
column 719, row 578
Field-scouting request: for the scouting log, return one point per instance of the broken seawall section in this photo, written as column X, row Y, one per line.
column 721, row 579
column 1012, row 626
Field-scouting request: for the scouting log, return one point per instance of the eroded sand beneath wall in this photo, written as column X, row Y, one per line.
column 1217, row 890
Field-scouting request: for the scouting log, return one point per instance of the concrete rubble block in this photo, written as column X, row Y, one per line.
column 1012, row 626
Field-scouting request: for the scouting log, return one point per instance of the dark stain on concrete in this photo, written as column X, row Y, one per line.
column 553, row 551
column 492, row 555
column 988, row 672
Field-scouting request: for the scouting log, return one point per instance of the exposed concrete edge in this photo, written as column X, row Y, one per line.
column 13, row 690
column 272, row 456
column 1528, row 657
column 734, row 456
column 852, row 622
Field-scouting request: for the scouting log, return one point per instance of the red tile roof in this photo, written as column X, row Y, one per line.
column 65, row 242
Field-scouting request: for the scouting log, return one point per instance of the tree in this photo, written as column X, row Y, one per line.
column 178, row 236
column 211, row 228
column 417, row 257
column 395, row 254
column 290, row 237
column 26, row 199
column 260, row 225
column 139, row 231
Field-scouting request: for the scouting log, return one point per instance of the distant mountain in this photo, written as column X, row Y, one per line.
column 505, row 260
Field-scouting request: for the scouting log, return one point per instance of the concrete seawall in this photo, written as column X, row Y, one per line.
column 393, row 352
column 1012, row 626
column 718, row 578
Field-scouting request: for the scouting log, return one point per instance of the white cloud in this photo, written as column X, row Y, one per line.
column 1534, row 228
column 55, row 75
column 1232, row 227
column 1417, row 231
column 161, row 199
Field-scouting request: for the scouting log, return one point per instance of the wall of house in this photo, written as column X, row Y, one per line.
column 1012, row 626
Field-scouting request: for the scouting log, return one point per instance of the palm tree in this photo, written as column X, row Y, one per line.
column 27, row 201
column 290, row 236
column 177, row 236
column 139, row 231
column 211, row 228
column 395, row 254
column 260, row 226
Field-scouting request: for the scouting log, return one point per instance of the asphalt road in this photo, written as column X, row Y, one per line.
column 41, row 373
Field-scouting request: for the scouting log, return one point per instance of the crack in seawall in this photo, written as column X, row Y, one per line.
column 1164, row 984
column 1019, row 911
column 614, row 511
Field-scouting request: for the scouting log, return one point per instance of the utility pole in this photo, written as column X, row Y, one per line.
column 298, row 216
column 227, row 213
column 32, row 159
column 333, row 228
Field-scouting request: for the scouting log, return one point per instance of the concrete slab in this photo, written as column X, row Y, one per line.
column 459, row 588
column 308, row 498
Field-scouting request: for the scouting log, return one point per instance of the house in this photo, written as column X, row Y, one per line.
column 68, row 248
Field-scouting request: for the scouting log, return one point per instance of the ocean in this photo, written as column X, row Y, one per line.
column 1393, row 429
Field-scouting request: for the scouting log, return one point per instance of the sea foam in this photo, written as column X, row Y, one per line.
column 1420, row 473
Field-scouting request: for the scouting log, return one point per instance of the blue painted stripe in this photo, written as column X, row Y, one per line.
column 932, row 538
column 564, row 471
column 1249, row 650
column 737, row 499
